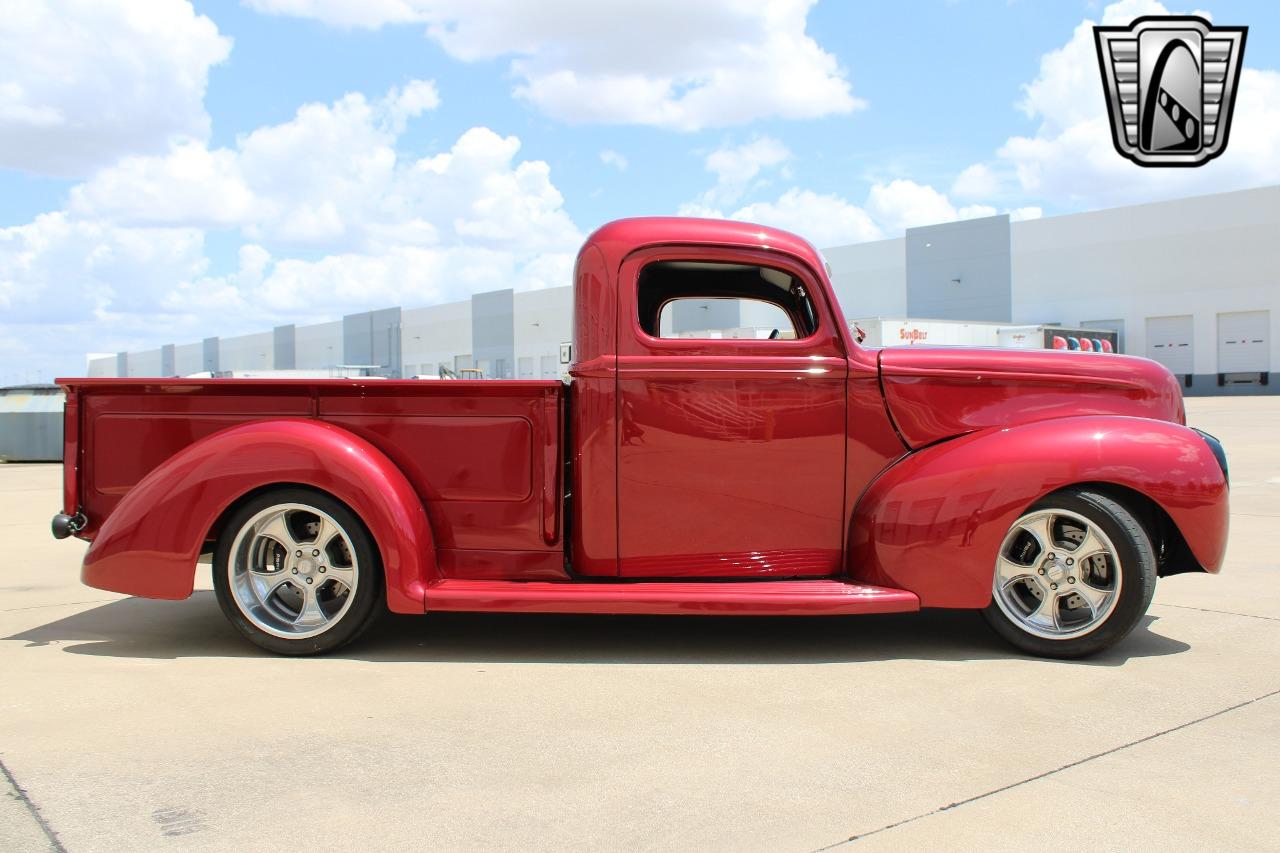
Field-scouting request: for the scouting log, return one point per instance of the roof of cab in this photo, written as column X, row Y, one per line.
column 619, row 238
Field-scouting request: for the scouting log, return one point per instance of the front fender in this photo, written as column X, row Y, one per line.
column 933, row 522
column 149, row 543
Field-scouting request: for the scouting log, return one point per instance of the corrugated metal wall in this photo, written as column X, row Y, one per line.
column 31, row 424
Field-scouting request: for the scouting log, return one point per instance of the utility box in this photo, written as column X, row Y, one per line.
column 31, row 423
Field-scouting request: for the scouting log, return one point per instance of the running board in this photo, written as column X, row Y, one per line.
column 740, row 598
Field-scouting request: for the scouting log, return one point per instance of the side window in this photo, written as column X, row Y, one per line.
column 730, row 317
column 710, row 300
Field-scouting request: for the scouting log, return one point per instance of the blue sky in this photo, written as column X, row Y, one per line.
column 219, row 167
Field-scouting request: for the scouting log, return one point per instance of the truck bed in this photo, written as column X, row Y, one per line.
column 484, row 456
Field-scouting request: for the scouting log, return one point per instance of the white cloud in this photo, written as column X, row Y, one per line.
column 1070, row 160
column 902, row 204
column 83, row 82
column 977, row 181
column 59, row 270
column 319, row 176
column 824, row 220
column 975, row 211
column 487, row 199
column 735, row 167
column 364, row 14
column 673, row 64
column 312, row 179
column 191, row 185
column 612, row 158
column 406, row 275
column 336, row 220
column 331, row 177
column 416, row 98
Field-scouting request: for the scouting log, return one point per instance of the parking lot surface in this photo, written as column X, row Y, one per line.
column 128, row 724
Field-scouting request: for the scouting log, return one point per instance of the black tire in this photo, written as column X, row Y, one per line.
column 351, row 619
column 1137, row 578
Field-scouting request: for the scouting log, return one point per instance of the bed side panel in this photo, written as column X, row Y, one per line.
column 476, row 453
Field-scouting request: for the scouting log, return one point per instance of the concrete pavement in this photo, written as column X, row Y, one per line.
column 128, row 724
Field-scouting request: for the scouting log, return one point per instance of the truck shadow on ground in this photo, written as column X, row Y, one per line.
column 143, row 628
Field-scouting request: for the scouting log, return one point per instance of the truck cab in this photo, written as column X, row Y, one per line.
column 700, row 448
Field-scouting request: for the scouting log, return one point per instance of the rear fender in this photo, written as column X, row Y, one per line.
column 933, row 523
column 149, row 543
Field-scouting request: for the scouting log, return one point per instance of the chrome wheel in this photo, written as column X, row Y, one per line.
column 293, row 571
column 1057, row 575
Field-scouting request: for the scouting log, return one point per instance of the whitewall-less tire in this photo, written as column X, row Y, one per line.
column 297, row 573
column 1074, row 575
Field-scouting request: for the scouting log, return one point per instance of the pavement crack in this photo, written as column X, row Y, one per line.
column 54, row 843
column 1048, row 773
column 1224, row 612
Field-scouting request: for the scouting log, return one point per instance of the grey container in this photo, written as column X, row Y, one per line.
column 31, row 423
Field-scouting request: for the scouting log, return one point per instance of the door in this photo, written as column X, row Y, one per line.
column 731, row 395
column 1242, row 342
column 1169, row 342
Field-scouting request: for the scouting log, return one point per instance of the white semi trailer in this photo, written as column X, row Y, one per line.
column 905, row 331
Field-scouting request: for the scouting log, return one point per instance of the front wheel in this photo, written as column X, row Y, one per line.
column 1074, row 575
column 296, row 572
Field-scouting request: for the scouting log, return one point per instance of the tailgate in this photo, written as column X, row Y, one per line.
column 71, row 503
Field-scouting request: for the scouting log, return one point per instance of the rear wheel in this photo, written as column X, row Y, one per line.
column 296, row 572
column 1074, row 575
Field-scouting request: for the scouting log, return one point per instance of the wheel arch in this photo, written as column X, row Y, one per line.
column 932, row 522
column 149, row 544
column 219, row 524
column 1173, row 554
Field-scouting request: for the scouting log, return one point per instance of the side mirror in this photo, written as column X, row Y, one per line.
column 858, row 334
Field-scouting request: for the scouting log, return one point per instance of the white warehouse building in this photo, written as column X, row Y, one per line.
column 1192, row 283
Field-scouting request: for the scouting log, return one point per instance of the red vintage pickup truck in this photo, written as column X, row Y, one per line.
column 677, row 472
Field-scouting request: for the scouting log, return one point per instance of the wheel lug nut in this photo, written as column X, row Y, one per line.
column 1053, row 556
column 295, row 570
column 1069, row 580
column 308, row 580
column 299, row 554
column 315, row 552
column 322, row 570
column 1070, row 562
column 1051, row 586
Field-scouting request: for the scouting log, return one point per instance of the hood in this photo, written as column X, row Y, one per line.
column 935, row 393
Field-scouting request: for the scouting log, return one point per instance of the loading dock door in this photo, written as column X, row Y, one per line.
column 1169, row 342
column 1243, row 345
